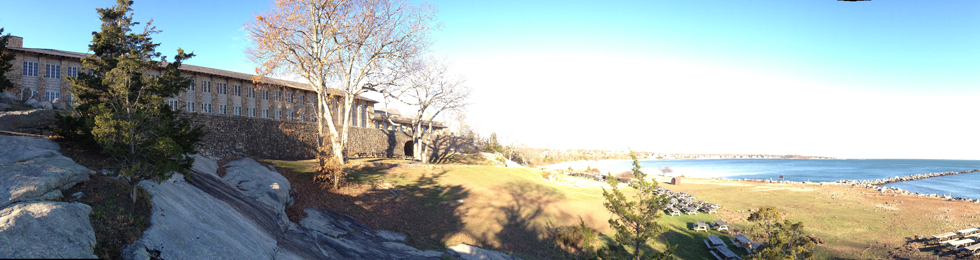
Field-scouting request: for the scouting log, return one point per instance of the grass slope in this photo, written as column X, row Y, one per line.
column 512, row 210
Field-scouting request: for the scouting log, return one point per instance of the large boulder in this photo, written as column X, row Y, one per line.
column 29, row 121
column 205, row 165
column 339, row 236
column 44, row 105
column 258, row 182
column 4, row 107
column 188, row 223
column 32, row 169
column 31, row 102
column 46, row 230
column 58, row 103
column 9, row 98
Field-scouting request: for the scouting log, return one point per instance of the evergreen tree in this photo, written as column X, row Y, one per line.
column 122, row 109
column 784, row 240
column 635, row 221
column 6, row 62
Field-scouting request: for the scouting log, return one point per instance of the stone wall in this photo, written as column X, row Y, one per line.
column 238, row 136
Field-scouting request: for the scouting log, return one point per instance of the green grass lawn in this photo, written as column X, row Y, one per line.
column 513, row 209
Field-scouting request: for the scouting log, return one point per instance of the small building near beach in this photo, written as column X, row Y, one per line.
column 675, row 180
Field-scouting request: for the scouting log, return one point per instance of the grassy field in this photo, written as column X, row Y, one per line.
column 512, row 210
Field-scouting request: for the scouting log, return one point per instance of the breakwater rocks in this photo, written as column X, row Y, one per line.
column 895, row 179
column 876, row 184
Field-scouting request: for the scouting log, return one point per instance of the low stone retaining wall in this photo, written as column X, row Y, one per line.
column 238, row 136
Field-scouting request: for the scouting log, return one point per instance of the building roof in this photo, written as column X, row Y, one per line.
column 202, row 70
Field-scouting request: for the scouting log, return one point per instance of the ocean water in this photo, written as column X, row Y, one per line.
column 961, row 185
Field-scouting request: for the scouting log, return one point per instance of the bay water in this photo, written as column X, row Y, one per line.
column 962, row 185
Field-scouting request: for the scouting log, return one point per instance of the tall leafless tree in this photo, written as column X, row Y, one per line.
column 431, row 89
column 348, row 45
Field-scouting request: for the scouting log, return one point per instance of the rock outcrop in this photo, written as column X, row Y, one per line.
column 241, row 216
column 32, row 171
column 46, row 229
column 29, row 121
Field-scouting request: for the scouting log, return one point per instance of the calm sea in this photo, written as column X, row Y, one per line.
column 962, row 185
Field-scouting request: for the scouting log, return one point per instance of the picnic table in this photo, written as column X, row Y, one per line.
column 967, row 231
column 700, row 225
column 960, row 242
column 726, row 253
column 944, row 236
column 719, row 225
column 972, row 248
column 743, row 240
column 716, row 241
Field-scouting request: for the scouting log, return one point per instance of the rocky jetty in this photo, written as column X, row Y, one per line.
column 879, row 182
column 877, row 185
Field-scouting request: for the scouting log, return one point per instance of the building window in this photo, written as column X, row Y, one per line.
column 52, row 95
column 265, row 94
column 251, row 112
column 206, row 86
column 313, row 100
column 265, row 113
column 377, row 125
column 223, row 109
column 278, row 114
column 73, row 72
column 206, row 108
column 53, row 71
column 237, row 111
column 302, row 98
column 190, row 106
column 278, row 95
column 30, row 69
column 192, row 87
column 289, row 97
column 363, row 115
column 69, row 101
column 172, row 103
column 237, row 90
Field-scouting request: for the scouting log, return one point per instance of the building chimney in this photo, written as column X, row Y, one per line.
column 15, row 41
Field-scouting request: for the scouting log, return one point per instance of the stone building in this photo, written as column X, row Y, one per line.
column 230, row 97
column 40, row 74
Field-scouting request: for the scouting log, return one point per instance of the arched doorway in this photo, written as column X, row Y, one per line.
column 409, row 149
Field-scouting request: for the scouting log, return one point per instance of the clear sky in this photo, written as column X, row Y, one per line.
column 879, row 79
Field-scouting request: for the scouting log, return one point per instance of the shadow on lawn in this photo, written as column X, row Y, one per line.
column 523, row 230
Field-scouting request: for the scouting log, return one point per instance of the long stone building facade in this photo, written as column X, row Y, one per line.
column 235, row 108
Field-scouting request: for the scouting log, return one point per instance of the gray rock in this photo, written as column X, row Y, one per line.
column 57, row 103
column 241, row 217
column 26, row 121
column 468, row 252
column 31, row 169
column 9, row 98
column 31, row 102
column 4, row 107
column 205, row 165
column 187, row 223
column 78, row 195
column 255, row 181
column 45, row 105
column 46, row 230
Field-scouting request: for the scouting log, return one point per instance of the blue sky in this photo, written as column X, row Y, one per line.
column 880, row 79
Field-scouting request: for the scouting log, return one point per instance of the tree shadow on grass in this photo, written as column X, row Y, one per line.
column 524, row 225
column 425, row 210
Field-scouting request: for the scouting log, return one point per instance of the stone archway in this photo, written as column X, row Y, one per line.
column 409, row 148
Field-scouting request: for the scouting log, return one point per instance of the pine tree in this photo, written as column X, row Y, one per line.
column 122, row 109
column 635, row 221
column 6, row 62
column 783, row 239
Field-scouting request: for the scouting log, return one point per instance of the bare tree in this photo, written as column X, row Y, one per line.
column 349, row 45
column 432, row 90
